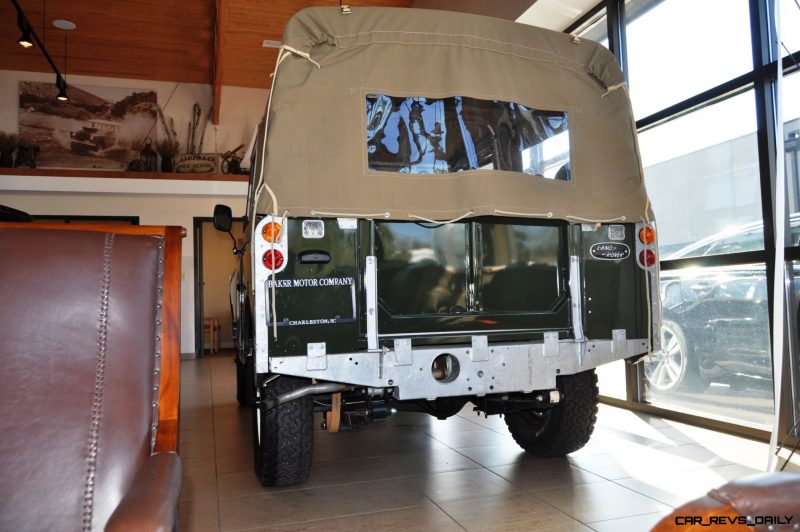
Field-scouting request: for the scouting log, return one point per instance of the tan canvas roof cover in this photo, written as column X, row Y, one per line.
column 316, row 161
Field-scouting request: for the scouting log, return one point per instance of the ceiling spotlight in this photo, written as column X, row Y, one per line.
column 62, row 89
column 25, row 40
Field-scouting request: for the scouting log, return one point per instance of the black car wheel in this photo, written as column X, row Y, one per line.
column 566, row 426
column 283, row 437
column 673, row 367
column 245, row 382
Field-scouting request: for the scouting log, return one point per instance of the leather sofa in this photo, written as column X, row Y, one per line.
column 90, row 358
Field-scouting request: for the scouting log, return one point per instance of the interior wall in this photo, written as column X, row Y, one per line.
column 240, row 112
column 158, row 203
column 218, row 264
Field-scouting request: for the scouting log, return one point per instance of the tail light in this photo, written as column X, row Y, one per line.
column 647, row 235
column 646, row 246
column 271, row 232
column 647, row 258
column 272, row 259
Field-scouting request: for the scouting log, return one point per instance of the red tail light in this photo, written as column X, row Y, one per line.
column 647, row 258
column 272, row 259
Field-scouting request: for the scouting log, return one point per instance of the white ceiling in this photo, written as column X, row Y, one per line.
column 556, row 14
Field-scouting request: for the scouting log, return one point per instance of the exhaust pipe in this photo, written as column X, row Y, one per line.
column 311, row 389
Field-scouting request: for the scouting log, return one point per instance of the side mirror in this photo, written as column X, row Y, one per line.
column 223, row 218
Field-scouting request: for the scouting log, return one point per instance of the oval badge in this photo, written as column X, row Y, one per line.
column 610, row 251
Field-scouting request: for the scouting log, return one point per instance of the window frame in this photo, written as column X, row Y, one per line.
column 762, row 78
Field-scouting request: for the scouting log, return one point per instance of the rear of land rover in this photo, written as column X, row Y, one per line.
column 445, row 209
column 475, row 307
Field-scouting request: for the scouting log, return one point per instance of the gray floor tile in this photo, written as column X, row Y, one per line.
column 444, row 487
column 276, row 508
column 545, row 473
column 636, row 523
column 510, row 513
column 414, row 472
column 424, row 517
column 600, row 501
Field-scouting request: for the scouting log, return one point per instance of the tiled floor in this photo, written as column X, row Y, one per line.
column 466, row 473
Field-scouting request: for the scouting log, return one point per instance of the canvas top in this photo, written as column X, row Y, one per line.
column 409, row 114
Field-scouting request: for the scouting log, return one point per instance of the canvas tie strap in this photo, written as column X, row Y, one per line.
column 445, row 222
column 387, row 214
column 612, row 88
column 283, row 52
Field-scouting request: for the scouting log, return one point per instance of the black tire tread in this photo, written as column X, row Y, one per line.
column 245, row 382
column 568, row 425
column 283, row 456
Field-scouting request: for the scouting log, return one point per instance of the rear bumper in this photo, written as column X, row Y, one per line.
column 482, row 368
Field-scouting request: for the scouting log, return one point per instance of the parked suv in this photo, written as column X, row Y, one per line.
column 443, row 209
column 716, row 320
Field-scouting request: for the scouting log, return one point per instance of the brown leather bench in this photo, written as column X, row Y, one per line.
column 90, row 358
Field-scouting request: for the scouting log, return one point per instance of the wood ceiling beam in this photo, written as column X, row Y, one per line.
column 221, row 16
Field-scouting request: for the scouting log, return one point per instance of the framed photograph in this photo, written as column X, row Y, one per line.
column 99, row 127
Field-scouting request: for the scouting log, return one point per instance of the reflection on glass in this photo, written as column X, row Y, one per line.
column 715, row 357
column 673, row 53
column 702, row 176
column 521, row 260
column 790, row 26
column 423, row 269
column 595, row 30
column 443, row 135
column 791, row 139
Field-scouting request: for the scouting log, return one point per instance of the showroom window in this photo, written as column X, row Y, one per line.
column 703, row 95
column 673, row 53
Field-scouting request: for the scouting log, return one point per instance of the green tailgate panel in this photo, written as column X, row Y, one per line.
column 614, row 288
column 318, row 302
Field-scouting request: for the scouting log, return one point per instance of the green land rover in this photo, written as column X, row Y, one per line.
column 443, row 209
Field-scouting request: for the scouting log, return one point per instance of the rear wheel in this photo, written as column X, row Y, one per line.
column 283, row 437
column 245, row 382
column 564, row 427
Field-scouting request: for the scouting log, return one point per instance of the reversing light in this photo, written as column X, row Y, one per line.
column 647, row 235
column 313, row 229
column 647, row 258
column 271, row 232
column 272, row 259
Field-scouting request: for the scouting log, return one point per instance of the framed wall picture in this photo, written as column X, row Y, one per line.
column 99, row 127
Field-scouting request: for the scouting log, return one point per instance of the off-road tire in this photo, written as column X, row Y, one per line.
column 282, row 452
column 245, row 382
column 563, row 428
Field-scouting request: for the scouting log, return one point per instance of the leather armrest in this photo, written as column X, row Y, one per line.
column 152, row 500
column 764, row 494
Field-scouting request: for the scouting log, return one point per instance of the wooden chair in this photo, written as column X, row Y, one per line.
column 90, row 351
column 211, row 330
